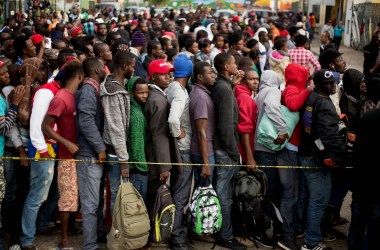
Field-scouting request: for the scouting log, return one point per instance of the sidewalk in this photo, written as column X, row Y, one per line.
column 49, row 242
column 354, row 58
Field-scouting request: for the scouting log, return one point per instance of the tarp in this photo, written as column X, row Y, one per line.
column 323, row 2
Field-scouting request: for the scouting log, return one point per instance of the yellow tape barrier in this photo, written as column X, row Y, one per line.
column 157, row 163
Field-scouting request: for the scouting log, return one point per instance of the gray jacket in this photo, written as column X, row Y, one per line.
column 268, row 101
column 179, row 116
column 116, row 107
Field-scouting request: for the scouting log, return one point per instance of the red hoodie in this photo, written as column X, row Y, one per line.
column 247, row 115
column 295, row 94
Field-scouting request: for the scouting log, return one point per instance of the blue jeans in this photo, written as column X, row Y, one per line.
column 300, row 213
column 46, row 215
column 89, row 179
column 10, row 188
column 224, row 180
column 318, row 181
column 273, row 193
column 140, row 182
column 289, row 194
column 269, row 159
column 197, row 159
column 41, row 176
column 182, row 178
column 114, row 176
column 365, row 225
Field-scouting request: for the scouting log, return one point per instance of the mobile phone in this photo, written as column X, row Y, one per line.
column 47, row 43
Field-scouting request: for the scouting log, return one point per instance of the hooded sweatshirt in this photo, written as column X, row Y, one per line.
column 247, row 115
column 116, row 107
column 278, row 63
column 295, row 95
column 268, row 101
column 137, row 132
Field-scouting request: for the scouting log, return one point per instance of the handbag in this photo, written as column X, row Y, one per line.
column 267, row 132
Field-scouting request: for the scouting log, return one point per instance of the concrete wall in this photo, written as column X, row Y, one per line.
column 365, row 17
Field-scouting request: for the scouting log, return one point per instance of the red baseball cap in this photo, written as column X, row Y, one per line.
column 36, row 39
column 159, row 66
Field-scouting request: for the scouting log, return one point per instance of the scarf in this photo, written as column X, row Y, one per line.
column 93, row 83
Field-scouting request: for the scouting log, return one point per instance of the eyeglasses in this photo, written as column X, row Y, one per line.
column 328, row 74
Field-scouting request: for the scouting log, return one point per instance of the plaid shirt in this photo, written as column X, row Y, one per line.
column 303, row 57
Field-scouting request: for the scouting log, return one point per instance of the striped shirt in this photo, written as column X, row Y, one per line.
column 7, row 119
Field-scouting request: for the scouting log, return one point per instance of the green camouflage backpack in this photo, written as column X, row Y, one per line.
column 205, row 212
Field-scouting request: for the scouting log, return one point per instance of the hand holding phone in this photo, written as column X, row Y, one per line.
column 47, row 42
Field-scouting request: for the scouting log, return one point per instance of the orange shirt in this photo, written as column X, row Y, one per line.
column 276, row 33
column 312, row 21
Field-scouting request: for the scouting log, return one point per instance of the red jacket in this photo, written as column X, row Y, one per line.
column 295, row 94
column 247, row 115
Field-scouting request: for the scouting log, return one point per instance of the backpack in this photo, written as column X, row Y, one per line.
column 204, row 210
column 130, row 220
column 252, row 211
column 162, row 215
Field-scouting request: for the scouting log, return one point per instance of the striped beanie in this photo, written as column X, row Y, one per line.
column 74, row 31
column 138, row 39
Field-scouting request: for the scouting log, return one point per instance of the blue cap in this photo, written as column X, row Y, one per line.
column 183, row 66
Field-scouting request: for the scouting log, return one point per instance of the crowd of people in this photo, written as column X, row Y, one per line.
column 108, row 88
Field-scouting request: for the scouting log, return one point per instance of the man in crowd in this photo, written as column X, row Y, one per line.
column 180, row 128
column 90, row 123
column 116, row 106
column 226, row 143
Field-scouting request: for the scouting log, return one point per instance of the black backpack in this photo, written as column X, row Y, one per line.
column 162, row 215
column 252, row 211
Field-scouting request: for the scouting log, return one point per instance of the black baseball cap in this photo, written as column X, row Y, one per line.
column 324, row 76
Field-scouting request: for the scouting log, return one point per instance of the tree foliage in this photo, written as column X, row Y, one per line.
column 158, row 3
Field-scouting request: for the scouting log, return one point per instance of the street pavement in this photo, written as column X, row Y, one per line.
column 49, row 242
column 354, row 59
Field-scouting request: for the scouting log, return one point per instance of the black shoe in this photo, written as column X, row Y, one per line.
column 299, row 233
column 30, row 247
column 183, row 246
column 231, row 244
column 327, row 237
column 288, row 244
column 265, row 241
column 101, row 240
column 320, row 246
column 47, row 231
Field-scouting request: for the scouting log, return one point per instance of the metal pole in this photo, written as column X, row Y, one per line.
column 300, row 7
